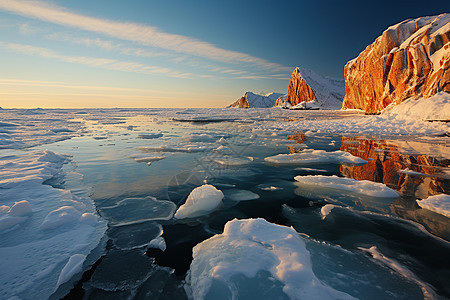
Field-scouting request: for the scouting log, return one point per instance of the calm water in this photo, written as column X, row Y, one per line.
column 414, row 238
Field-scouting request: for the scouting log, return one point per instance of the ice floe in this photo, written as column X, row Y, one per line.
column 45, row 228
column 438, row 203
column 149, row 159
column 149, row 136
column 232, row 161
column 257, row 259
column 311, row 156
column 241, row 195
column 201, row 201
column 349, row 185
column 138, row 210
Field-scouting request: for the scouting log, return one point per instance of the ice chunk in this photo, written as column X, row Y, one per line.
column 72, row 267
column 411, row 172
column 158, row 243
column 326, row 209
column 438, row 203
column 349, row 185
column 311, row 156
column 61, row 216
column 200, row 137
column 241, row 195
column 232, row 161
column 149, row 159
column 226, row 263
column 201, row 201
column 138, row 210
column 166, row 148
column 149, row 136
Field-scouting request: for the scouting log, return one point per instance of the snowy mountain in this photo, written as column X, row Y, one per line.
column 252, row 100
column 410, row 59
column 309, row 87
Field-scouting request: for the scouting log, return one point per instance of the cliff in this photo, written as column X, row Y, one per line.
column 308, row 86
column 410, row 59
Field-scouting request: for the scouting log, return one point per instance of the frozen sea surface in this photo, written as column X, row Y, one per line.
column 94, row 192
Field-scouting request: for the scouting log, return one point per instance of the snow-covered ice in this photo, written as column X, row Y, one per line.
column 348, row 185
column 438, row 203
column 252, row 256
column 311, row 156
column 42, row 227
column 201, row 201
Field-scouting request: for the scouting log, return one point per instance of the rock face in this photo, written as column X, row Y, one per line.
column 409, row 59
column 307, row 86
column 256, row 101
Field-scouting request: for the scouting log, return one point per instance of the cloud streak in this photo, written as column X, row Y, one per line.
column 137, row 33
column 105, row 63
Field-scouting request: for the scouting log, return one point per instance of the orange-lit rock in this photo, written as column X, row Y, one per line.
column 409, row 59
column 307, row 86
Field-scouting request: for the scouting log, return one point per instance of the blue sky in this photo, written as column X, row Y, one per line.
column 179, row 53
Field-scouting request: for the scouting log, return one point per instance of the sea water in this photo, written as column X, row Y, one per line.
column 141, row 169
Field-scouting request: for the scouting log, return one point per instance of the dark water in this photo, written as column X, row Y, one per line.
column 415, row 238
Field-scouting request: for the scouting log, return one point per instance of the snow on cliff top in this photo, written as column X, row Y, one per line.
column 329, row 91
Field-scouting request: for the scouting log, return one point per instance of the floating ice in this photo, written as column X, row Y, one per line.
column 135, row 235
column 349, row 185
column 311, row 170
column 157, row 243
column 201, row 137
column 165, row 148
column 149, row 159
column 138, row 210
column 201, row 201
column 259, row 259
column 149, row 136
column 232, row 161
column 411, row 172
column 311, row 156
column 326, row 209
column 438, row 203
column 241, row 195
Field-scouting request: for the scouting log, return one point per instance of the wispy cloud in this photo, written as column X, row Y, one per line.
column 65, row 85
column 104, row 63
column 142, row 34
column 106, row 45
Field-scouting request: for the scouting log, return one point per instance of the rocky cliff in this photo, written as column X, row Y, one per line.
column 410, row 59
column 307, row 86
column 256, row 101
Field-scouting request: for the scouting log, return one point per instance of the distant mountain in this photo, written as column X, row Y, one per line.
column 410, row 59
column 308, row 90
column 252, row 100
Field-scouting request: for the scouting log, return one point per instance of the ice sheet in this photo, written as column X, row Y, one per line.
column 438, row 203
column 311, row 156
column 349, row 185
column 225, row 264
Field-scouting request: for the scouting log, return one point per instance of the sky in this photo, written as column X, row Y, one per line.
column 167, row 53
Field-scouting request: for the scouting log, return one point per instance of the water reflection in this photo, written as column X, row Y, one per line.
column 413, row 175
